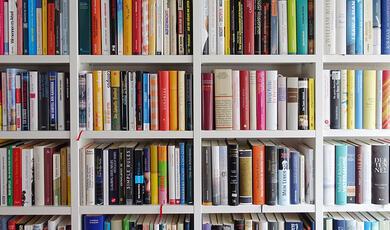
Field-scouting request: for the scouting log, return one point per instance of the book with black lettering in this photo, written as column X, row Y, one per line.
column 43, row 101
column 271, row 170
column 99, row 174
column 239, row 27
column 188, row 101
column 335, row 99
column 67, row 101
column 207, row 193
column 25, row 95
column 113, row 174
column 139, row 100
column 129, row 173
column 233, row 16
column 233, row 173
column 113, row 28
column 57, row 27
column 125, row 100
column 121, row 173
column 380, row 174
column 139, row 181
column 188, row 27
column 189, row 176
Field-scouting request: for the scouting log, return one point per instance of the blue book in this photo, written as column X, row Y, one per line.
column 367, row 225
column 182, row 172
column 32, row 27
column 302, row 26
column 351, row 36
column 358, row 99
column 359, row 45
column 93, row 222
column 53, row 104
column 146, row 104
column 351, row 186
column 385, row 30
column 338, row 222
column 107, row 223
column 119, row 12
column 4, row 222
column 274, row 31
column 341, row 174
column 294, row 177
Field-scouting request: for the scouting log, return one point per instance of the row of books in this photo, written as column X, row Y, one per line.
column 135, row 27
column 35, row 222
column 357, row 27
column 237, row 221
column 34, row 173
column 145, row 222
column 357, row 220
column 32, row 100
column 29, row 27
column 356, row 171
column 257, row 100
column 124, row 100
column 257, row 172
column 357, row 99
column 258, row 27
column 136, row 173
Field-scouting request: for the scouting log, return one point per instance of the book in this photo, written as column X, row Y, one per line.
column 223, row 99
column 271, row 100
column 369, row 98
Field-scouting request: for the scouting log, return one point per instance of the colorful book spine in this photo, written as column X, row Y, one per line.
column 292, row 27
column 376, row 23
column 119, row 12
column 163, row 88
column 344, row 99
column 378, row 103
column 227, row 26
column 351, row 174
column 44, row 27
column 115, row 102
column 274, row 27
column 386, row 99
column 261, row 99
column 2, row 27
column 173, row 110
column 145, row 27
column 302, row 26
column 359, row 46
column 312, row 104
column 96, row 27
column 162, row 174
column 182, row 172
column 369, row 99
column 341, row 174
column 32, row 25
column 153, row 79
column 154, row 174
column 385, row 29
column 351, row 26
column 358, row 99
column 127, row 27
column 84, row 27
column 146, row 100
column 98, row 101
column 351, row 99
column 53, row 104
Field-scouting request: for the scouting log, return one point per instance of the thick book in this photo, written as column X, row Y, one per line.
column 245, row 169
column 292, row 103
column 369, row 99
column 96, row 27
column 283, row 176
column 249, row 26
column 380, row 174
column 233, row 172
column 98, row 101
column 84, row 27
column 341, row 27
column 207, row 101
column 244, row 100
column 173, row 106
column 93, row 221
column 223, row 99
column 271, row 170
column 385, row 29
column 302, row 26
column 163, row 89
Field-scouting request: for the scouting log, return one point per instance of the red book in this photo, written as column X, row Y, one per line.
column 96, row 28
column 17, row 175
column 359, row 175
column 163, row 99
column 1, row 27
column 249, row 27
column 18, row 101
column 137, row 32
column 265, row 27
column 139, row 101
column 48, row 172
column 51, row 35
column 12, row 222
column 207, row 101
column 260, row 98
column 19, row 31
column 244, row 99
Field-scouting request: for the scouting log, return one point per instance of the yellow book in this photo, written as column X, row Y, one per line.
column 312, row 102
column 173, row 100
column 351, row 99
column 68, row 175
column 154, row 173
column 97, row 101
column 127, row 28
column 369, row 99
column 152, row 27
column 227, row 27
column 44, row 27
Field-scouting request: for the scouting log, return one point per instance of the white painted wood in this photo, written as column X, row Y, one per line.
column 34, row 135
column 37, row 210
column 137, row 209
column 34, row 59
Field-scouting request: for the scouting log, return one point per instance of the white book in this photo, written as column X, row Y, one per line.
column 366, row 168
column 283, row 38
column 236, row 99
column 61, row 100
column 65, row 27
column 105, row 177
column 309, row 173
column 368, row 27
column 12, row 27
column 341, row 27
column 18, row 104
column 376, row 41
column 6, row 29
column 4, row 100
column 39, row 174
column 132, row 98
column 33, row 100
column 177, row 173
column 82, row 175
column 171, row 174
column 223, row 169
column 159, row 27
column 107, row 100
column 220, row 27
column 282, row 103
column 167, row 41
column 90, row 174
column 105, row 14
column 154, row 106
column 280, row 221
column 27, row 175
column 56, row 178
column 326, row 77
column 292, row 103
column 173, row 26
column 263, row 221
column 302, row 182
column 271, row 92
column 283, row 182
column 3, row 176
column 39, row 30
column 378, row 109
column 216, row 180
column 344, row 99
column 89, row 95
column 145, row 27
column 152, row 27
column 329, row 173
column 53, row 222
column 212, row 27
column 330, row 27
column 205, row 24
column 252, row 100
column 359, row 221
column 181, row 100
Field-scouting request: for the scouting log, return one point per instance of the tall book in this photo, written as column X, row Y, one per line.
column 302, row 26
column 233, row 173
column 84, row 27
column 206, row 173
column 378, row 104
column 329, row 173
column 96, row 27
column 330, row 27
column 385, row 29
column 344, row 99
column 260, row 99
column 115, row 101
column 162, row 174
column 385, row 99
column 245, row 169
column 98, row 100
column 303, row 104
column 220, row 12
column 359, row 45
column 223, row 99
column 368, row 27
column 282, row 103
column 244, row 100
column 163, row 88
column 283, row 176
column 369, row 99
column 274, row 27
column 252, row 100
column 258, row 165
column 271, row 170
column 249, row 26
column 215, row 173
column 341, row 174
column 358, row 99
column 282, row 27
column 173, row 110
column 351, row 99
column 341, row 27
column 380, row 174
column 292, row 26
column 351, row 174
column 335, row 99
column 136, row 27
column 236, row 99
column 351, row 26
column 271, row 100
column 292, row 103
column 127, row 27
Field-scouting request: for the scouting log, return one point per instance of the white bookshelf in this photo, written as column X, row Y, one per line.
column 290, row 65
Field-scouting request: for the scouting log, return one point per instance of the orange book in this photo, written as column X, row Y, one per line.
column 163, row 100
column 96, row 28
column 127, row 27
column 162, row 173
column 258, row 172
column 173, row 100
column 97, row 101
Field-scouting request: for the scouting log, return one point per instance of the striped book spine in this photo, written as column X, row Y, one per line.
column 386, row 99
column 145, row 27
column 153, row 101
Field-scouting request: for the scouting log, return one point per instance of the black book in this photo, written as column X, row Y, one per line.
column 239, row 222
column 99, row 174
column 43, row 101
column 57, row 27
column 272, row 222
column 335, row 99
column 189, row 101
column 139, row 100
column 303, row 104
column 189, row 170
column 129, row 173
column 239, row 27
column 233, row 172
column 53, row 103
column 265, row 27
column 380, row 174
column 271, row 170
column 113, row 175
column 233, row 15
column 25, row 94
column 121, row 173
column 188, row 27
column 113, row 28
column 67, row 101
column 207, row 193
column 25, row 27
column 147, row 167
column 125, row 101
column 258, row 26
column 139, row 175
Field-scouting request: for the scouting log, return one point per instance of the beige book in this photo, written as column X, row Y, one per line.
column 223, row 99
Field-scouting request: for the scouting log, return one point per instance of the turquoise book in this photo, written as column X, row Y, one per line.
column 359, row 45
column 146, row 104
column 302, row 27
column 358, row 99
column 351, row 30
column 119, row 13
column 32, row 27
column 341, row 174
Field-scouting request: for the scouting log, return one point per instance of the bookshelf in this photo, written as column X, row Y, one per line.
column 308, row 64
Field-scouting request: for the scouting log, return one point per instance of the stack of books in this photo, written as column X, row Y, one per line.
column 356, row 172
column 135, row 27
column 32, row 100
column 134, row 173
column 357, row 220
column 258, row 27
column 31, row 27
column 257, row 172
column 34, row 173
column 35, row 222
column 122, row 100
column 257, row 100
column 357, row 99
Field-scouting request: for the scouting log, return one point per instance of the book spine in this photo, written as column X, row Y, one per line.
column 64, row 176
column 311, row 29
column 127, row 27
column 369, row 99
column 226, row 21
column 283, row 176
column 257, row 29
column 359, row 46
column 344, row 99
column 65, row 27
column 163, row 89
column 129, row 176
column 223, row 99
column 152, row 27
column 282, row 14
column 385, row 99
column 188, row 38
column 206, row 176
column 282, row 103
column 351, row 27
column 57, row 25
column 132, row 100
column 30, row 93
column 236, row 99
column 274, row 27
column 188, row 102
column 56, row 179
column 27, row 177
column 292, row 103
column 181, row 173
column 12, row 26
column 292, row 26
column 359, row 175
column 351, row 175
column 335, row 99
column 341, row 175
column 173, row 26
column 115, row 100
column 271, row 99
column 139, row 101
column 358, row 99
column 368, row 27
column 181, row 100
column 154, row 112
column 48, row 178
column 113, row 28
column 252, row 100
column 233, row 174
column 302, row 26
column 97, row 101
column 171, row 174
column 25, row 94
column 113, row 161
column 329, row 174
column 378, row 108
column 205, row 28
column 84, row 29
column 260, row 100
column 162, row 174
column 177, row 175
column 232, row 25
column 239, row 27
column 385, row 29
column 43, row 101
column 6, row 28
column 367, row 174
column 245, row 159
column 154, row 174
column 173, row 110
column 96, row 27
column 60, row 101
column 166, row 29
column 341, row 27
column 105, row 20
column 119, row 12
column 376, row 17
column 17, row 176
column 380, row 174
column 19, row 44
column 106, row 100
column 145, row 27
column 207, row 101
column 244, row 100
column 146, row 105
column 53, row 102
column 265, row 28
column 220, row 27
column 18, row 102
column 351, row 99
column 10, row 181
column 2, row 27
column 189, row 177
column 249, row 26
column 312, row 113
column 215, row 174
column 271, row 159
column 44, row 27
column 212, row 41
column 294, row 178
column 147, row 197
column 82, row 101
column 25, row 27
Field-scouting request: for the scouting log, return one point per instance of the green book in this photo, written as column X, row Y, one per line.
column 126, row 222
column 292, row 26
column 84, row 26
column 10, row 180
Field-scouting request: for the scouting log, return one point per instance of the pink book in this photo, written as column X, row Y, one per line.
column 260, row 94
column 20, row 27
column 1, row 27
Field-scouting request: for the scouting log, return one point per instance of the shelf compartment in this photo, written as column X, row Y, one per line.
column 137, row 134
column 36, row 210
column 362, row 133
column 137, row 209
column 357, row 208
column 34, row 135
column 254, row 59
column 213, row 134
column 134, row 59
column 298, row 208
column 232, row 209
column 352, row 59
column 34, row 59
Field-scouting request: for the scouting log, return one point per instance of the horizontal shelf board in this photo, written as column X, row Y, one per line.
column 357, row 208
column 235, row 59
column 137, row 209
column 363, row 133
column 34, row 134
column 36, row 210
column 129, row 59
column 299, row 208
column 258, row 134
column 137, row 134
column 232, row 209
column 34, row 59
column 328, row 59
